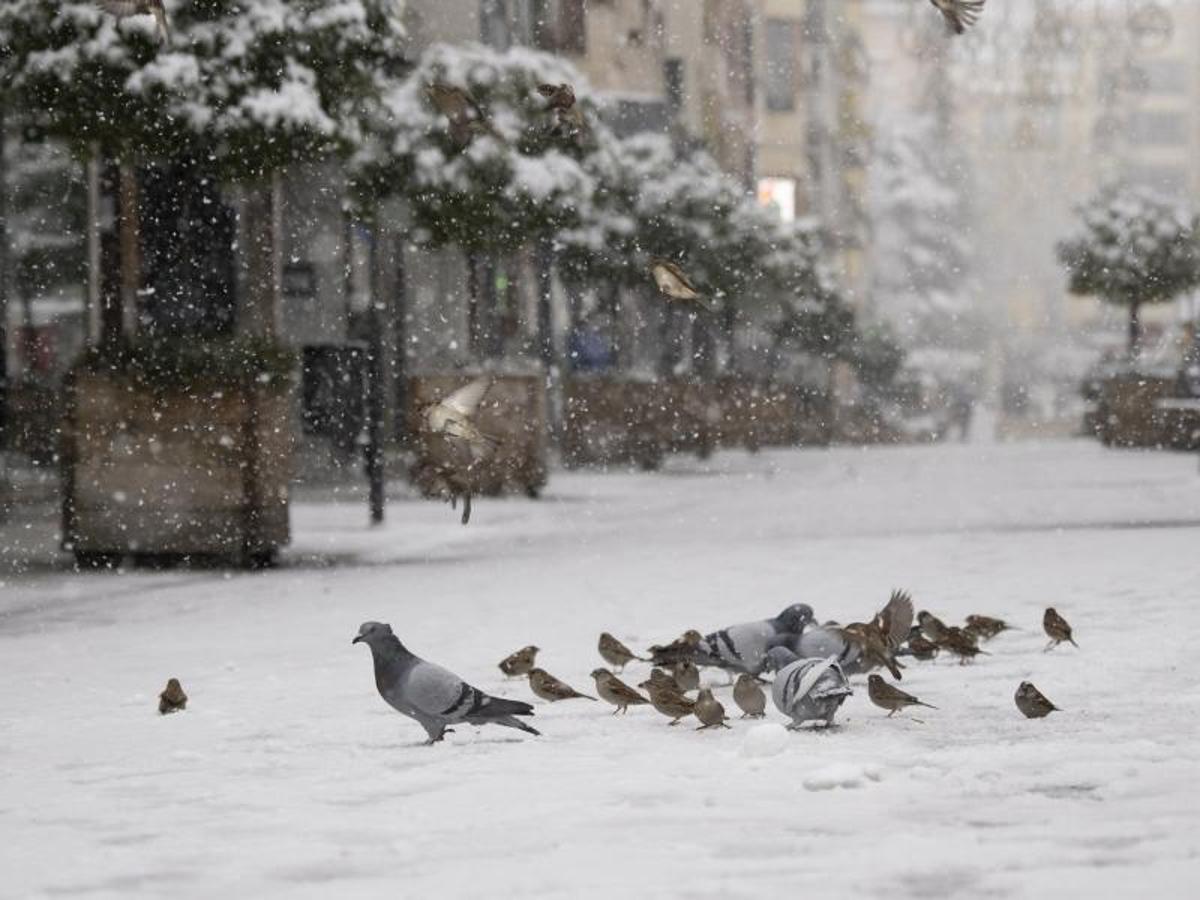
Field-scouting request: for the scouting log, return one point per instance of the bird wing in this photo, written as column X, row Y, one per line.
column 671, row 280
column 465, row 401
column 624, row 691
column 959, row 13
column 895, row 619
column 439, row 693
column 164, row 28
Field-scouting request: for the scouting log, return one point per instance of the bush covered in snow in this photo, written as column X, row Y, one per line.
column 1133, row 247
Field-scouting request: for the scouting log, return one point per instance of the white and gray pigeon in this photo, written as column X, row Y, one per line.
column 821, row 641
column 434, row 697
column 807, row 690
column 743, row 648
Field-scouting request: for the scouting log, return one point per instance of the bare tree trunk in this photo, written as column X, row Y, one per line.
column 543, row 256
column 261, row 242
column 375, row 375
column 92, row 174
column 130, row 247
column 400, row 341
column 1135, row 328
column 3, row 303
column 474, row 323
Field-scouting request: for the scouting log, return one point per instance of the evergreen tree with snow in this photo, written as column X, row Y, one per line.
column 251, row 88
column 1133, row 247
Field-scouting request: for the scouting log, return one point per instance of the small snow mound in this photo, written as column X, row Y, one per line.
column 767, row 739
column 841, row 775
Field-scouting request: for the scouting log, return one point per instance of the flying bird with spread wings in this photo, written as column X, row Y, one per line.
column 453, row 446
column 959, row 14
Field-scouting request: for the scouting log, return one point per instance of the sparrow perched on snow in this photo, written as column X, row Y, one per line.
column 986, row 627
column 667, row 700
column 931, row 626
column 614, row 652
column 686, row 675
column 172, row 699
column 560, row 102
column 749, row 697
column 613, row 690
column 1032, row 702
column 551, row 689
column 123, row 9
column 466, row 117
column 664, row 679
column 683, row 647
column 959, row 13
column 921, row 648
column 961, row 644
column 673, row 283
column 889, row 697
column 709, row 711
column 520, row 663
column 1056, row 628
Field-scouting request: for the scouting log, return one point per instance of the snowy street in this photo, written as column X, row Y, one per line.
column 288, row 776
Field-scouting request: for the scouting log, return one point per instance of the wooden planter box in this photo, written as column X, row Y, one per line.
column 514, row 411
column 756, row 415
column 169, row 473
column 1128, row 414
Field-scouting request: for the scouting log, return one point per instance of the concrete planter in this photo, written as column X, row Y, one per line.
column 158, row 472
column 514, row 411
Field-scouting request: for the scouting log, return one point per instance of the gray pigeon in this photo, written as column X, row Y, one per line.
column 431, row 695
column 807, row 690
column 743, row 648
column 828, row 640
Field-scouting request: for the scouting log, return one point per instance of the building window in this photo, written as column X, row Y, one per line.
column 572, row 26
column 673, row 79
column 778, row 195
column 559, row 26
column 1158, row 128
column 1165, row 76
column 493, row 24
column 780, row 66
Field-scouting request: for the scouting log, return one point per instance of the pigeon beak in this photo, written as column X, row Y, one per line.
column 356, row 640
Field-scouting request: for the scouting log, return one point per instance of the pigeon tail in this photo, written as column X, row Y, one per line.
column 510, row 722
column 498, row 707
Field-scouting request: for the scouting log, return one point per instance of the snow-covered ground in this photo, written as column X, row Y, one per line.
column 287, row 775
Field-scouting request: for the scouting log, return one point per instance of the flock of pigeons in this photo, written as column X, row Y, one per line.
column 812, row 664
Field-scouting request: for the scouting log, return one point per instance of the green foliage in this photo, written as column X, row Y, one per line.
column 183, row 365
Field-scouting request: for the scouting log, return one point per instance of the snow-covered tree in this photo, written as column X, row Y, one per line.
column 1133, row 247
column 510, row 185
column 251, row 88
